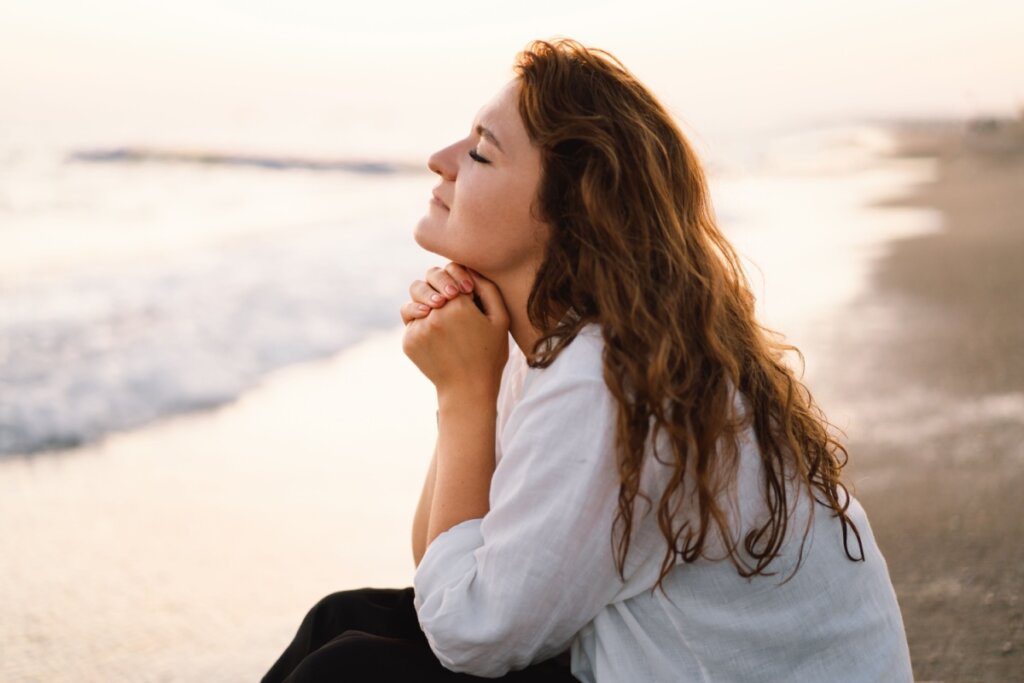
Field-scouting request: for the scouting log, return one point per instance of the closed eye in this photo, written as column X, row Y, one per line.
column 476, row 157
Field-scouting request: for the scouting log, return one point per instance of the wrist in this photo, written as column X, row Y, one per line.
column 462, row 401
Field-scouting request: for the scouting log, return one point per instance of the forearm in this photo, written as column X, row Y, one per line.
column 419, row 523
column 464, row 461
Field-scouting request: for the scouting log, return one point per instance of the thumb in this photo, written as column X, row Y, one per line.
column 491, row 298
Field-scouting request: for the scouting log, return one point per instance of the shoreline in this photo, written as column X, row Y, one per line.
column 939, row 439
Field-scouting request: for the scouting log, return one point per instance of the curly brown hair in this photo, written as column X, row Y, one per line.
column 635, row 247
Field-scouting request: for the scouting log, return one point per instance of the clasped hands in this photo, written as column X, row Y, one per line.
column 459, row 347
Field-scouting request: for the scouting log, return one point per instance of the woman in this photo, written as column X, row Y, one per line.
column 636, row 482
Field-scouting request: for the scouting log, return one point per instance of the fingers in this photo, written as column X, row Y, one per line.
column 411, row 310
column 422, row 293
column 451, row 280
column 441, row 285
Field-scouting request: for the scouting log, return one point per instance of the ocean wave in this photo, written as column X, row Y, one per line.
column 114, row 349
column 134, row 155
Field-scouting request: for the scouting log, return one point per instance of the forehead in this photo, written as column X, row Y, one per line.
column 504, row 100
column 501, row 116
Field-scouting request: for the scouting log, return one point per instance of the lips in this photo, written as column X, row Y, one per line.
column 439, row 200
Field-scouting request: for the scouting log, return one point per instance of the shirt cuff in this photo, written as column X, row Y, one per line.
column 448, row 558
column 447, row 566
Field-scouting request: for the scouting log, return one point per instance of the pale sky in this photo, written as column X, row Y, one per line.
column 418, row 72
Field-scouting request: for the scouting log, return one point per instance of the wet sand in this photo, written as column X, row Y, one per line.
column 938, row 450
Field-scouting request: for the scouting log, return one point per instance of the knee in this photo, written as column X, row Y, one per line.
column 348, row 655
column 335, row 602
column 361, row 598
column 373, row 610
column 329, row 617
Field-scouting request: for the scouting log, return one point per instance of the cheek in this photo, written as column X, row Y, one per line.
column 489, row 228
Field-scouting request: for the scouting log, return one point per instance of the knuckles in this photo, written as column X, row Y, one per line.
column 453, row 312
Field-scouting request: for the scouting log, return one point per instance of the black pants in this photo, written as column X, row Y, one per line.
column 372, row 634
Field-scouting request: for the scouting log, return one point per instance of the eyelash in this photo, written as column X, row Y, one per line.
column 476, row 157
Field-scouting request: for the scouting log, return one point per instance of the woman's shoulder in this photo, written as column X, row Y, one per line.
column 579, row 363
column 581, row 358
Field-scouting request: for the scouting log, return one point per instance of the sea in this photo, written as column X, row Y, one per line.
column 140, row 281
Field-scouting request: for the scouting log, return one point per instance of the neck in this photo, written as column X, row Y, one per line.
column 515, row 291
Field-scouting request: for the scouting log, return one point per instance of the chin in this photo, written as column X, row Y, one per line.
column 424, row 238
column 430, row 237
column 422, row 234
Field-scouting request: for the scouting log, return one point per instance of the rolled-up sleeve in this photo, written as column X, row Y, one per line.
column 513, row 588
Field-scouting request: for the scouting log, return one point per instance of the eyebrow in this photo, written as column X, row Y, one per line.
column 486, row 133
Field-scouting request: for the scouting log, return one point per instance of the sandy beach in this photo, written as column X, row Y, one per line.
column 189, row 549
column 938, row 449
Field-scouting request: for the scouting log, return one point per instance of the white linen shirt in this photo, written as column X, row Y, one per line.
column 536, row 575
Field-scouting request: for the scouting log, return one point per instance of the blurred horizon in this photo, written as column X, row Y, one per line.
column 395, row 81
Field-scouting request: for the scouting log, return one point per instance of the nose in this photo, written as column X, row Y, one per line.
column 443, row 163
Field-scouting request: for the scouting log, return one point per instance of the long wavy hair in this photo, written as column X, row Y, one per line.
column 635, row 247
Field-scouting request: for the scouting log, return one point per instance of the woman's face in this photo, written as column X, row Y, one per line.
column 489, row 180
